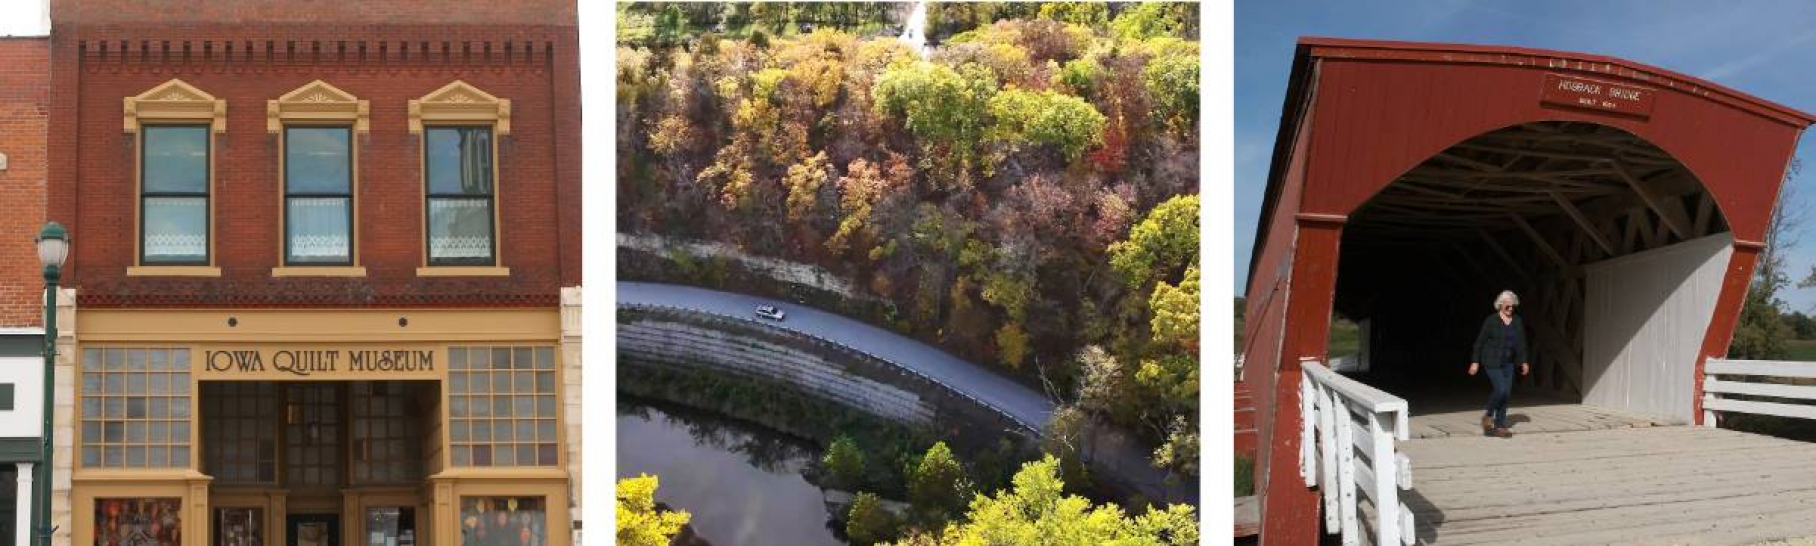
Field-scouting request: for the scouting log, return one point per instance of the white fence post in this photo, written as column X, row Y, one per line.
column 1336, row 409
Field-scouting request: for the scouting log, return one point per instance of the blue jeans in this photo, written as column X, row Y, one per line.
column 1502, row 379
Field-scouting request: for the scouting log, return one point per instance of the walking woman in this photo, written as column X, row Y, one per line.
column 1500, row 345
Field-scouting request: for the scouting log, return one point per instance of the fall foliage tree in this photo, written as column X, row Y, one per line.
column 1036, row 510
column 639, row 522
column 1022, row 191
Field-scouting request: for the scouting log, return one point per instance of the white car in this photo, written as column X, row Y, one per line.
column 770, row 312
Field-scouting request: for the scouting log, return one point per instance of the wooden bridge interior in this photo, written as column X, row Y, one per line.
column 1521, row 208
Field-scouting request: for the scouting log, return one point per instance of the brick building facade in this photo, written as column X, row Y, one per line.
column 340, row 244
column 24, row 118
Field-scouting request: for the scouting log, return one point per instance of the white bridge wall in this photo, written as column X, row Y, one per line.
column 1645, row 316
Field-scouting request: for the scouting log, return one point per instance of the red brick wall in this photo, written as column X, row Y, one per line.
column 92, row 176
column 424, row 12
column 24, row 112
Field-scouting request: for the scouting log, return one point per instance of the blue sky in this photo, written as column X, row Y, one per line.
column 1764, row 48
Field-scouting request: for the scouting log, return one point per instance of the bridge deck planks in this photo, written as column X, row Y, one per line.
column 1455, row 419
column 1653, row 485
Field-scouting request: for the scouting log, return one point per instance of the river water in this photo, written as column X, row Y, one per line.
column 742, row 483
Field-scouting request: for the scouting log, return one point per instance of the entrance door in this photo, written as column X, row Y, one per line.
column 312, row 530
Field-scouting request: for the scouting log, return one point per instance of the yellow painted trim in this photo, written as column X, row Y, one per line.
column 460, row 271
column 317, row 101
column 191, row 326
column 318, row 271
column 460, row 102
column 175, row 101
column 173, row 271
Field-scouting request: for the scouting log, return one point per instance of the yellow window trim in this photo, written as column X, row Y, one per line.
column 317, row 102
column 173, row 271
column 463, row 271
column 318, row 271
column 459, row 102
column 172, row 102
column 175, row 101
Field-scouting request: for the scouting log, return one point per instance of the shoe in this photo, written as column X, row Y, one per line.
column 1487, row 424
column 1502, row 433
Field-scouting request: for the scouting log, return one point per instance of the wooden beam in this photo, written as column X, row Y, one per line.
column 1583, row 222
column 1501, row 251
column 1540, row 241
column 1705, row 212
column 1657, row 204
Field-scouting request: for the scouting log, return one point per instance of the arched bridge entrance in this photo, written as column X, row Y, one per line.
column 1412, row 182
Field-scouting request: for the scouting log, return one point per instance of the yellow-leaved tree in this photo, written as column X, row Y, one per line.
column 639, row 522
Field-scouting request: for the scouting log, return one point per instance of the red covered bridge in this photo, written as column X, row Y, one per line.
column 1626, row 204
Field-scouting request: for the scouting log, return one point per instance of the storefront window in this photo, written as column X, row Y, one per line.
column 135, row 408
column 501, row 404
column 138, row 522
column 503, row 521
column 239, row 526
column 391, row 526
column 239, row 431
column 387, row 439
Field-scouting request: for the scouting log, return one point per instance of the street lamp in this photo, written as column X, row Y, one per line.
column 53, row 248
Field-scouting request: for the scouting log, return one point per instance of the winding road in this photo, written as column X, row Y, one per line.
column 1019, row 401
column 1108, row 449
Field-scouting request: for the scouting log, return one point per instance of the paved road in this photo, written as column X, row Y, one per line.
column 1025, row 404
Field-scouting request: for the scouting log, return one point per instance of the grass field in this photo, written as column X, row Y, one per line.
column 1802, row 350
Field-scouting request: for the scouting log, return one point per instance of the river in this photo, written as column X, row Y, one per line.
column 742, row 483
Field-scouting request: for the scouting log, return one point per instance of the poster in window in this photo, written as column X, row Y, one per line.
column 503, row 521
column 138, row 522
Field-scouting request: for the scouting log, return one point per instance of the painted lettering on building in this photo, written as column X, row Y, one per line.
column 1597, row 95
column 330, row 363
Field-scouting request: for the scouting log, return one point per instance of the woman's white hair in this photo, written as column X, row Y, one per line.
column 1506, row 296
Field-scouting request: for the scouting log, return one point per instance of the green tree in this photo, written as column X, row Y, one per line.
column 1164, row 241
column 940, row 105
column 1146, row 20
column 1762, row 333
column 868, row 522
column 1089, row 14
column 1063, row 121
column 1081, row 75
column 937, row 485
column 1172, row 85
column 1175, row 310
column 639, row 522
column 1037, row 511
column 844, row 463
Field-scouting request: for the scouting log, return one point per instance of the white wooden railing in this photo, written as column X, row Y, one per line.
column 1347, row 443
column 1746, row 377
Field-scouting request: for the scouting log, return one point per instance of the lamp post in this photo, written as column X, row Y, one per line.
column 53, row 248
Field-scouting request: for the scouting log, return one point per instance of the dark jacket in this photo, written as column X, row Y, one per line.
column 1491, row 340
